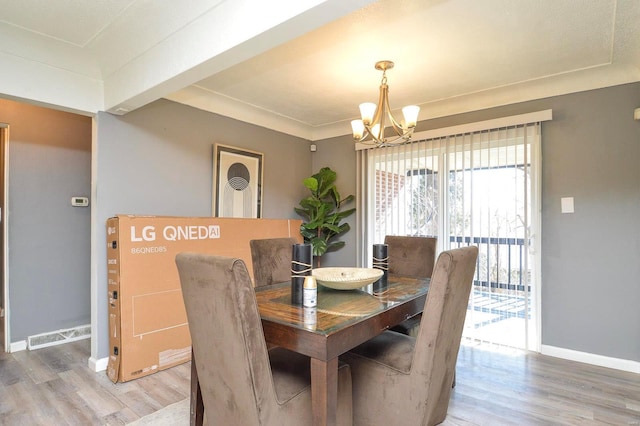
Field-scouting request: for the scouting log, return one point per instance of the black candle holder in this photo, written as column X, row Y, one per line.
column 301, row 260
column 381, row 261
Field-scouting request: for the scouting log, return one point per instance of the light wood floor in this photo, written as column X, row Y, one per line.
column 510, row 387
column 54, row 386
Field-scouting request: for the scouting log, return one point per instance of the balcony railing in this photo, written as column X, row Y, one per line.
column 501, row 263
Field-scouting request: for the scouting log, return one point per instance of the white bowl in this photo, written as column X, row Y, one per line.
column 346, row 278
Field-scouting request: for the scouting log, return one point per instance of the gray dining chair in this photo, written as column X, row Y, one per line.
column 413, row 257
column 242, row 382
column 271, row 260
column 398, row 379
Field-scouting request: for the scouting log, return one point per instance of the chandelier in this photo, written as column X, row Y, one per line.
column 374, row 117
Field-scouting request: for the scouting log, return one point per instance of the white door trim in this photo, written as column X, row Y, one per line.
column 5, row 241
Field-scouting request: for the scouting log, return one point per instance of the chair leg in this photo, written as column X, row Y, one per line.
column 453, row 385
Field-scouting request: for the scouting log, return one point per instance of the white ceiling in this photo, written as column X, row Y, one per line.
column 451, row 56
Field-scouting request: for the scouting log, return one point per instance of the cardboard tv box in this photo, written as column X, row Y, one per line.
column 148, row 330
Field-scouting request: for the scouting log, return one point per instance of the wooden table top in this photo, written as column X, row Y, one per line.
column 341, row 316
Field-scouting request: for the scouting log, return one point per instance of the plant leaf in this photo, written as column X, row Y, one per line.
column 345, row 213
column 311, row 183
column 335, row 245
column 319, row 246
column 347, row 199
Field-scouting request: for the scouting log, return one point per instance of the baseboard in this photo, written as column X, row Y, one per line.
column 589, row 358
column 18, row 346
column 98, row 365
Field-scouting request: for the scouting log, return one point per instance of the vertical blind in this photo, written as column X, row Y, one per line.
column 471, row 188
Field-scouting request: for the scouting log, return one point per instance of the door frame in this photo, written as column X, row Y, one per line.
column 4, row 234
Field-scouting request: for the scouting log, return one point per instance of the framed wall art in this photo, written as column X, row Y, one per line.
column 237, row 182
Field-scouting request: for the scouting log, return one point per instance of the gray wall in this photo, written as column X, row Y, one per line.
column 49, row 240
column 590, row 259
column 158, row 161
column 339, row 154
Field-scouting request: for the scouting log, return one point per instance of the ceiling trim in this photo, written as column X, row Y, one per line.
column 206, row 100
column 561, row 84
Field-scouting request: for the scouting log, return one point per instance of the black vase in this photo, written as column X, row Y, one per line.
column 380, row 261
column 301, row 260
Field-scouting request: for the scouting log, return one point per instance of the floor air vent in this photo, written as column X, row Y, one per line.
column 58, row 337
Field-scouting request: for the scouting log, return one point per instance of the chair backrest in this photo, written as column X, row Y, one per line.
column 411, row 256
column 271, row 260
column 438, row 340
column 227, row 339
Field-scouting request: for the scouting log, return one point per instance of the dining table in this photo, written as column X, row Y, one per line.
column 342, row 320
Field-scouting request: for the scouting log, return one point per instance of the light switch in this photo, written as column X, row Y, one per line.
column 566, row 204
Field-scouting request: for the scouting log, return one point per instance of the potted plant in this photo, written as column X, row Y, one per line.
column 324, row 214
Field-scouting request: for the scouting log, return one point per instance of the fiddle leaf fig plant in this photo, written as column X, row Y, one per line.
column 323, row 212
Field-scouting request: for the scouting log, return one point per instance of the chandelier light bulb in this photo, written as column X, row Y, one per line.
column 410, row 114
column 376, row 117
column 357, row 126
column 367, row 111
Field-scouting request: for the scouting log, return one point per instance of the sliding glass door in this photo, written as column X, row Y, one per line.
column 477, row 188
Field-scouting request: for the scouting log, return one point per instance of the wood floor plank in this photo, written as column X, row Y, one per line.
column 120, row 418
column 59, row 358
column 31, row 406
column 36, row 369
column 141, row 403
column 11, row 372
column 157, row 389
column 98, row 399
column 67, row 403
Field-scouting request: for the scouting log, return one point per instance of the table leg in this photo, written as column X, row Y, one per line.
column 196, row 412
column 324, row 391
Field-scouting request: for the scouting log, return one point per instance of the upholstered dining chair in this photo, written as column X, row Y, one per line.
column 411, row 256
column 414, row 257
column 242, row 382
column 398, row 379
column 271, row 260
